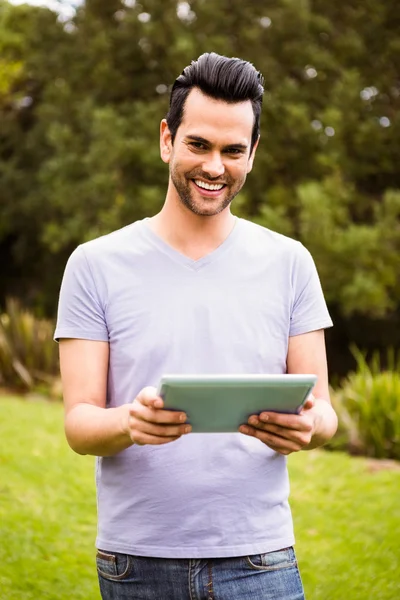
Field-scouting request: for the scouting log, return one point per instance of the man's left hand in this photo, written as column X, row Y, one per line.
column 284, row 433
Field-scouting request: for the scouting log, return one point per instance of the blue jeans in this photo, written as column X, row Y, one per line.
column 270, row 576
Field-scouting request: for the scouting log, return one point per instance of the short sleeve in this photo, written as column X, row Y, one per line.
column 309, row 310
column 80, row 310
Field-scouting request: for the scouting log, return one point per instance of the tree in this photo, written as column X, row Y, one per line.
column 81, row 101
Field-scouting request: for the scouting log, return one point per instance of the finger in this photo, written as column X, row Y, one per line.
column 286, row 421
column 289, row 421
column 300, row 438
column 156, row 430
column 275, row 442
column 144, row 439
column 290, row 431
column 156, row 415
column 148, row 397
column 309, row 403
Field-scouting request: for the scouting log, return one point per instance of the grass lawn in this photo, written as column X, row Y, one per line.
column 346, row 512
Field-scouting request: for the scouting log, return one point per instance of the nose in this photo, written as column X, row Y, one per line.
column 213, row 165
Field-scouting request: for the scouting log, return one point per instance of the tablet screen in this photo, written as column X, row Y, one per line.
column 221, row 403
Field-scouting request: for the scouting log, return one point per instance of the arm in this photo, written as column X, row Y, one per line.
column 317, row 422
column 90, row 427
column 307, row 354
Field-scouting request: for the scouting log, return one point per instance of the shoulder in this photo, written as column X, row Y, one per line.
column 120, row 247
column 97, row 258
column 265, row 240
column 112, row 243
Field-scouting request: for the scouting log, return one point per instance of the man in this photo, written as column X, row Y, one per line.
column 193, row 290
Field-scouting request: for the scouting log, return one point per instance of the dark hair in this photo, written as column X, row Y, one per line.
column 222, row 78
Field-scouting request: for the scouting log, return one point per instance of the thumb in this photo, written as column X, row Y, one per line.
column 148, row 397
column 309, row 403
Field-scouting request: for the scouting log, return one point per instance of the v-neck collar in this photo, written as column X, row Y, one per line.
column 186, row 261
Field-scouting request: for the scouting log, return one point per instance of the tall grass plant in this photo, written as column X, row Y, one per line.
column 28, row 354
column 368, row 406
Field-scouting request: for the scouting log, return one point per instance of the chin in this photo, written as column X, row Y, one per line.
column 204, row 211
column 206, row 208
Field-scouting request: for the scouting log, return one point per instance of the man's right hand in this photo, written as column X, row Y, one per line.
column 150, row 423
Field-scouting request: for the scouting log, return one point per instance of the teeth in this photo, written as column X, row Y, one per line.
column 208, row 186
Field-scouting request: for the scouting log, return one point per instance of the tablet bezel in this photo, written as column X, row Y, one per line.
column 263, row 393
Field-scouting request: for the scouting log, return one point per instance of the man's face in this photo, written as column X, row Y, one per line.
column 210, row 157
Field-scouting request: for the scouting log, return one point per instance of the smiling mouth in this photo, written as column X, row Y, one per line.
column 209, row 187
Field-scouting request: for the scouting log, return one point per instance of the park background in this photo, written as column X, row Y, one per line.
column 83, row 87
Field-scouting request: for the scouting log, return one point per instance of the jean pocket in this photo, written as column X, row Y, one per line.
column 113, row 565
column 272, row 561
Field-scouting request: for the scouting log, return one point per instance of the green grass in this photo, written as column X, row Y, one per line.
column 347, row 522
column 346, row 512
column 47, row 507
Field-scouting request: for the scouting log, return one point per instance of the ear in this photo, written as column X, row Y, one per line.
column 252, row 155
column 165, row 142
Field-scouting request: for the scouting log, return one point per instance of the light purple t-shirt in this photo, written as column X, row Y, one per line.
column 232, row 311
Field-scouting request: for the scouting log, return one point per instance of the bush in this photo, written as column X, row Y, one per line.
column 28, row 354
column 368, row 407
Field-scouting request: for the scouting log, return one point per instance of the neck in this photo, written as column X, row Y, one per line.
column 193, row 235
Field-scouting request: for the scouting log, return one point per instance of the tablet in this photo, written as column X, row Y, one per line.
column 221, row 403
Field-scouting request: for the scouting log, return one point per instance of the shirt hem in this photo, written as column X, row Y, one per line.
column 79, row 335
column 192, row 552
column 308, row 327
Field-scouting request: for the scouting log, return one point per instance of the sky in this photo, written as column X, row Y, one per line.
column 64, row 7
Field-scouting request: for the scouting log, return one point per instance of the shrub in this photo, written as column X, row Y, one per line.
column 368, row 407
column 28, row 354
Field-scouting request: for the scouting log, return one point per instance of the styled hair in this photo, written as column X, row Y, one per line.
column 222, row 78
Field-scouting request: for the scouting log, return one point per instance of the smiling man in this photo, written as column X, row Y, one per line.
column 193, row 289
column 210, row 156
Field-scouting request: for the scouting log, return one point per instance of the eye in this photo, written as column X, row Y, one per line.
column 234, row 151
column 197, row 145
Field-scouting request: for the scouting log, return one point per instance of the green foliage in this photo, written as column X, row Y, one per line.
column 81, row 101
column 358, row 261
column 28, row 354
column 368, row 406
column 346, row 512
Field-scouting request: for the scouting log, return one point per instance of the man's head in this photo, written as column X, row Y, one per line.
column 229, row 79
column 211, row 132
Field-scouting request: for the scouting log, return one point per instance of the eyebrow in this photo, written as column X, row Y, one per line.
column 198, row 138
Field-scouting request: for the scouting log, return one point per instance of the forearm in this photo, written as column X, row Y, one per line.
column 326, row 423
column 97, row 431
